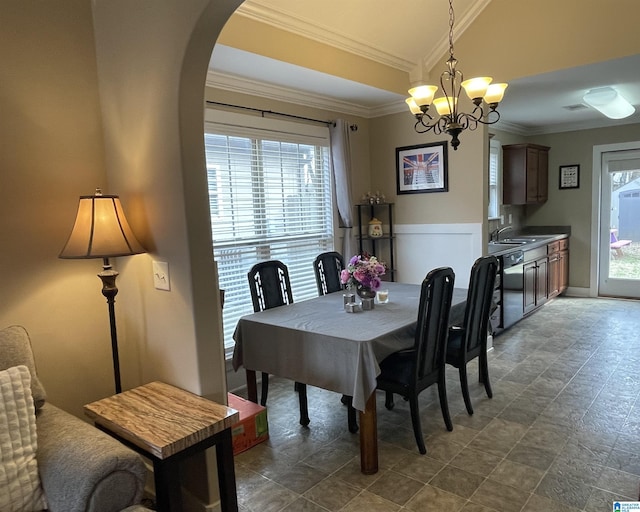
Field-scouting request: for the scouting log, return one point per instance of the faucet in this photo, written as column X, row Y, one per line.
column 496, row 234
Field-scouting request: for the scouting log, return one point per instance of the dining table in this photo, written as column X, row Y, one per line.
column 317, row 342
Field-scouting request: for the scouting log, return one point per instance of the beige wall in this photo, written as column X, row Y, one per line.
column 51, row 153
column 465, row 201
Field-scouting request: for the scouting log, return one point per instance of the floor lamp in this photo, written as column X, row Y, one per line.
column 101, row 231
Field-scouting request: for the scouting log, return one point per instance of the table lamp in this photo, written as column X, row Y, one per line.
column 101, row 230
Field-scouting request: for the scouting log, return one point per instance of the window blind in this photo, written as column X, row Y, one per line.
column 494, row 179
column 270, row 197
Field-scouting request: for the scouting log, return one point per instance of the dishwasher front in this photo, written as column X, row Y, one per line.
column 512, row 287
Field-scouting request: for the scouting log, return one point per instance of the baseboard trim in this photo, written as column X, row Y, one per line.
column 574, row 291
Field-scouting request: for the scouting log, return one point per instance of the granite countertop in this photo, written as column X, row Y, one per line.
column 528, row 238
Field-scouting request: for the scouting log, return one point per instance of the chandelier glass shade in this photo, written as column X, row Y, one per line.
column 484, row 95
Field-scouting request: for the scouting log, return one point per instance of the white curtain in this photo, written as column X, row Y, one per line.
column 341, row 165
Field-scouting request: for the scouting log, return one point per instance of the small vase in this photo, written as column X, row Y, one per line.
column 365, row 292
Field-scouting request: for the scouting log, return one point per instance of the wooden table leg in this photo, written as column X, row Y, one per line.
column 252, row 386
column 369, row 437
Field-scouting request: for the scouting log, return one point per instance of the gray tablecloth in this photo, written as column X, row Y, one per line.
column 318, row 343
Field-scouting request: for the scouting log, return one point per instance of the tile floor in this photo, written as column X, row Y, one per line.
column 562, row 432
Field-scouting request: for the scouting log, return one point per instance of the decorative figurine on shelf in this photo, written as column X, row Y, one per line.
column 370, row 198
column 375, row 228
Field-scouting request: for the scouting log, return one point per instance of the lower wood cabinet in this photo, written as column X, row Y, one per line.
column 536, row 283
column 558, row 253
column 545, row 274
column 564, row 269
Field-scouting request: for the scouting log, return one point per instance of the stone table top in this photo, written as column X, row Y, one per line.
column 161, row 419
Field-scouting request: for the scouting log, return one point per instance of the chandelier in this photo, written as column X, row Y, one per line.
column 480, row 90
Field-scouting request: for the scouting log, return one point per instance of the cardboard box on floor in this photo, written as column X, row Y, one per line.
column 253, row 427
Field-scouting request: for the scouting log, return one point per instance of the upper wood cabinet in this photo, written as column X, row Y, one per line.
column 525, row 173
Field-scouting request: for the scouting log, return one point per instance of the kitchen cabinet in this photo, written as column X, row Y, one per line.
column 382, row 247
column 554, row 274
column 564, row 270
column 558, row 266
column 536, row 288
column 525, row 173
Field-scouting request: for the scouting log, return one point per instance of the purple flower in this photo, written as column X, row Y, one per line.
column 363, row 270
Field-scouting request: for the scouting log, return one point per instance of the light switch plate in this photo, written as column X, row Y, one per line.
column 161, row 275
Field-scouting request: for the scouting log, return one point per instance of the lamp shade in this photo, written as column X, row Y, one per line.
column 101, row 230
column 443, row 104
column 413, row 107
column 495, row 93
column 476, row 87
column 423, row 94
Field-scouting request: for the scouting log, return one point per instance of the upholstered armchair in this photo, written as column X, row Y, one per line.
column 79, row 467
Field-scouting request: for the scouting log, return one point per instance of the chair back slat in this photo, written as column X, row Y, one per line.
column 269, row 285
column 433, row 322
column 327, row 267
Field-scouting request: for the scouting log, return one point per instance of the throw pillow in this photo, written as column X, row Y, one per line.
column 20, row 487
column 15, row 349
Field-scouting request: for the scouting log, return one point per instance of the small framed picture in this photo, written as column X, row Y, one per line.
column 422, row 168
column 570, row 176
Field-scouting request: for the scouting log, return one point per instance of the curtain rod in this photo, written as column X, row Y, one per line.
column 353, row 127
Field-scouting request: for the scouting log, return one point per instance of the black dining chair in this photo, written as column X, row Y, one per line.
column 270, row 288
column 410, row 371
column 468, row 341
column 327, row 267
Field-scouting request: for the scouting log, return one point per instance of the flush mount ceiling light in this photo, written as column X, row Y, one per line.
column 450, row 120
column 609, row 102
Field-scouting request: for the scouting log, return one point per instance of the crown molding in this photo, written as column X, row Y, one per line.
column 242, row 85
column 515, row 128
column 259, row 10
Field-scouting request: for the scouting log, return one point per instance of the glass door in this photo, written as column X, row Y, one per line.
column 620, row 225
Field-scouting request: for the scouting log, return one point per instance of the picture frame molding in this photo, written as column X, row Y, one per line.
column 430, row 148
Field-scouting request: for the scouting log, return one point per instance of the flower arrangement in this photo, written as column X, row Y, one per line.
column 363, row 270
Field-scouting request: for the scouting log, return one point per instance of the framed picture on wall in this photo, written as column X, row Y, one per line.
column 422, row 168
column 569, row 176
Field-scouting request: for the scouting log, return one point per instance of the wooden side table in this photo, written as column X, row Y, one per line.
column 168, row 424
